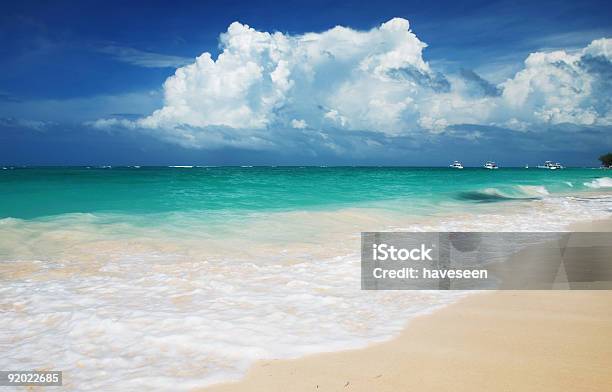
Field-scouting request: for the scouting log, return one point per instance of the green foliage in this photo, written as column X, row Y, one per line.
column 606, row 159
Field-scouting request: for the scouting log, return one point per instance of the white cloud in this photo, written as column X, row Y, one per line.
column 553, row 88
column 364, row 80
column 145, row 59
column 105, row 123
column 273, row 85
column 298, row 124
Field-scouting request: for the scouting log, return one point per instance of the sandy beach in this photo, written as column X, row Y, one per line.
column 503, row 340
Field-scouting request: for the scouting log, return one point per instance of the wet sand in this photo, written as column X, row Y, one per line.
column 503, row 340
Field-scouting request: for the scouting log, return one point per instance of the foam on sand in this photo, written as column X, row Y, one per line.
column 557, row 335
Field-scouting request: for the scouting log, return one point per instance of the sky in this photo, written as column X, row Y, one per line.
column 295, row 83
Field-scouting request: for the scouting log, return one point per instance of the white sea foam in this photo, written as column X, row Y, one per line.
column 533, row 190
column 150, row 323
column 495, row 192
column 604, row 182
column 515, row 192
column 120, row 304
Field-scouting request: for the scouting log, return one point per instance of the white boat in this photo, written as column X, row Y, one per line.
column 491, row 165
column 456, row 165
column 550, row 165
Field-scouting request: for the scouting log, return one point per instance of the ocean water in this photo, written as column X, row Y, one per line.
column 38, row 192
column 178, row 277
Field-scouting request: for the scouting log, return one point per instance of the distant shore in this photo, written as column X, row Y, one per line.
column 504, row 340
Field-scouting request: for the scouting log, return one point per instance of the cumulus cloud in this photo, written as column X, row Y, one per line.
column 265, row 87
column 560, row 87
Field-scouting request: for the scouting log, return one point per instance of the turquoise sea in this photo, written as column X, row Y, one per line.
column 172, row 278
column 38, row 192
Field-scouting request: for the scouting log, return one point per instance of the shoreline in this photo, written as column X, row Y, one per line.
column 527, row 341
column 510, row 340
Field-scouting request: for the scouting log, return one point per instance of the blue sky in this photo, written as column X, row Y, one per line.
column 81, row 82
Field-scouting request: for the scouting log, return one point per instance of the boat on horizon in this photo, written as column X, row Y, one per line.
column 490, row 165
column 456, row 165
column 550, row 165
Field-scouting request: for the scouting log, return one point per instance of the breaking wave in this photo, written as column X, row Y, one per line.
column 604, row 182
column 517, row 192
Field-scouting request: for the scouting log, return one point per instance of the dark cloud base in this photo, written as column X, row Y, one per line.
column 472, row 144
